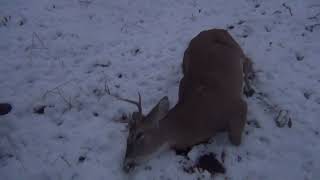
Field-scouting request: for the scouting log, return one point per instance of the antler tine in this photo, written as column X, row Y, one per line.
column 138, row 104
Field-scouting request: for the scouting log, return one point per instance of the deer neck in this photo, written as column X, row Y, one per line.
column 160, row 132
column 167, row 128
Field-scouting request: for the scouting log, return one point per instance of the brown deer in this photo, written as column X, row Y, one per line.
column 210, row 100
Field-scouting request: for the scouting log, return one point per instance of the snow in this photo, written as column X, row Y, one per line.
column 61, row 54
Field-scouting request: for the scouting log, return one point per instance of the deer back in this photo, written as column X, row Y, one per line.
column 213, row 60
column 210, row 92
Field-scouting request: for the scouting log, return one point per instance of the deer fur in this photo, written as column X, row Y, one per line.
column 210, row 100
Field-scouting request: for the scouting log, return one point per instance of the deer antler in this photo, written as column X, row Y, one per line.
column 138, row 104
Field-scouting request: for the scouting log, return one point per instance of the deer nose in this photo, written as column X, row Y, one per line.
column 128, row 166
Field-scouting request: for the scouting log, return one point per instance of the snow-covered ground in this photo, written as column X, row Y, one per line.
column 58, row 55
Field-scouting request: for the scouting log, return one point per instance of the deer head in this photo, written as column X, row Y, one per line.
column 144, row 136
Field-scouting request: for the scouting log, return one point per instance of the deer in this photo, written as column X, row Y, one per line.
column 216, row 73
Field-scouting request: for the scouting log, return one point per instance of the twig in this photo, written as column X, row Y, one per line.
column 287, row 7
column 260, row 95
column 314, row 6
column 15, row 148
column 267, row 29
column 35, row 35
column 267, row 103
column 106, row 88
column 124, row 28
column 282, row 118
column 65, row 160
column 85, row 2
column 314, row 17
column 68, row 102
column 56, row 88
column 33, row 47
column 311, row 27
column 4, row 20
column 277, row 12
column 281, row 115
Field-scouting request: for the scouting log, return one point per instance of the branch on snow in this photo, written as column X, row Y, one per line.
column 311, row 27
column 314, row 17
column 287, row 7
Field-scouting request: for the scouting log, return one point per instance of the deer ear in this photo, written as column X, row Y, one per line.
column 159, row 111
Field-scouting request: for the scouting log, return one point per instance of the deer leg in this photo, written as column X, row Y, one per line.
column 182, row 89
column 237, row 123
column 248, row 75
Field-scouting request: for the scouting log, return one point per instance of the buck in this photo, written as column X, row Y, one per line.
column 210, row 100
